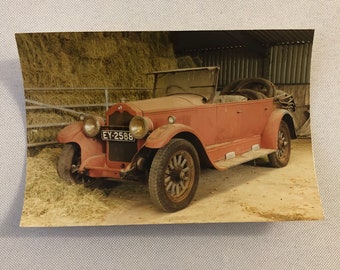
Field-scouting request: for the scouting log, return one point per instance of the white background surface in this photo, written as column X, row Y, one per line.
column 284, row 245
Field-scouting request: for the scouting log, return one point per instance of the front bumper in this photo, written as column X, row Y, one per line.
column 96, row 167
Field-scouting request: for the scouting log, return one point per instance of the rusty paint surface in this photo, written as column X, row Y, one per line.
column 221, row 129
column 74, row 134
column 270, row 133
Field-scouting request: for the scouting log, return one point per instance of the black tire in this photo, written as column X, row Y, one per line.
column 230, row 88
column 174, row 175
column 251, row 94
column 253, row 82
column 280, row 158
column 68, row 163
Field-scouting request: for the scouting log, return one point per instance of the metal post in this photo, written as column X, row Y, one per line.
column 107, row 99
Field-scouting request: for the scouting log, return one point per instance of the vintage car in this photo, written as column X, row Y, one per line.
column 163, row 141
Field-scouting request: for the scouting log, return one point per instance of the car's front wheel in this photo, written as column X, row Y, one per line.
column 280, row 158
column 68, row 163
column 174, row 175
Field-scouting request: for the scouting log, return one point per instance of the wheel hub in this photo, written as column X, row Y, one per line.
column 282, row 145
column 177, row 175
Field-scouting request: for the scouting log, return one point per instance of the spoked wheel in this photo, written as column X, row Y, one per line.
column 281, row 157
column 68, row 164
column 174, row 175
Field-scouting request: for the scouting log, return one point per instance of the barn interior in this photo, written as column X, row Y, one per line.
column 72, row 70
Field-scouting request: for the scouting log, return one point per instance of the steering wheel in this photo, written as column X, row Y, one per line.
column 250, row 94
column 260, row 85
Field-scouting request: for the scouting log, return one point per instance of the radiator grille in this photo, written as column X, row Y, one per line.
column 121, row 151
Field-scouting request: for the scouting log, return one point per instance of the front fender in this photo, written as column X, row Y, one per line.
column 270, row 133
column 70, row 132
column 162, row 135
column 73, row 133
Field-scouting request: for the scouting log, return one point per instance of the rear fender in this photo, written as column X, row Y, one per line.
column 162, row 135
column 73, row 133
column 270, row 133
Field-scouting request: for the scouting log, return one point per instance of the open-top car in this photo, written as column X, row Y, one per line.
column 187, row 124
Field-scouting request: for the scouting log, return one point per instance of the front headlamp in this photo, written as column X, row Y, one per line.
column 140, row 126
column 91, row 126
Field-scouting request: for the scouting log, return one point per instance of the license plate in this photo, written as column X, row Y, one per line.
column 117, row 136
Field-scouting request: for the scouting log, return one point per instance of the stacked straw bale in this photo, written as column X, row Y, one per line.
column 88, row 60
column 93, row 59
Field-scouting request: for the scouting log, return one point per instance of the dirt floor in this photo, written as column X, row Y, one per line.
column 252, row 192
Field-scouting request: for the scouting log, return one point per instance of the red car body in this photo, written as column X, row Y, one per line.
column 224, row 130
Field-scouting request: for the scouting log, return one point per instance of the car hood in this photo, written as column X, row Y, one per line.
column 168, row 103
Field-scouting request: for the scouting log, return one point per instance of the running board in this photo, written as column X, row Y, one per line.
column 232, row 160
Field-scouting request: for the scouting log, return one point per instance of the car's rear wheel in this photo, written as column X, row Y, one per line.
column 174, row 175
column 68, row 163
column 280, row 158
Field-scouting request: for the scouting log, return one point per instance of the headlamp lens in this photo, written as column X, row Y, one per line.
column 140, row 126
column 91, row 126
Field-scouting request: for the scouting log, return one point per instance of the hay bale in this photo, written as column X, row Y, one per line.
column 48, row 197
column 198, row 61
column 92, row 59
column 185, row 62
column 107, row 59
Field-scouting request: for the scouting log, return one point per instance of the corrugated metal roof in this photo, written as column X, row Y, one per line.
column 283, row 36
column 184, row 41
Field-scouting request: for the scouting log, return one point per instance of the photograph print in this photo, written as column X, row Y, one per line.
column 128, row 128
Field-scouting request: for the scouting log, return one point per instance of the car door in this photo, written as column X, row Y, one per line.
column 242, row 123
column 254, row 116
column 229, row 118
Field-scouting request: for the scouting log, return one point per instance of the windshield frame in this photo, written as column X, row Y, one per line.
column 189, row 86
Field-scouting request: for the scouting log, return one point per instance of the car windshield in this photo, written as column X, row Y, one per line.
column 199, row 81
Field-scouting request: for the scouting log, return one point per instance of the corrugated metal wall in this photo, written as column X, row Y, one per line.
column 286, row 64
column 235, row 63
column 290, row 64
